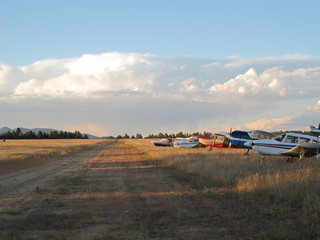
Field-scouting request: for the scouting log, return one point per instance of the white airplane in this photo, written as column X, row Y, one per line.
column 315, row 130
column 190, row 142
column 287, row 144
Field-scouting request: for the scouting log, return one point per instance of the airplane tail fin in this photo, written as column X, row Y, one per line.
column 314, row 129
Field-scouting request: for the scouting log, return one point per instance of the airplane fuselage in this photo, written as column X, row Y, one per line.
column 271, row 147
column 284, row 145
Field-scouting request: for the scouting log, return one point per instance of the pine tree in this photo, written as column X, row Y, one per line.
column 40, row 135
column 139, row 136
column 126, row 136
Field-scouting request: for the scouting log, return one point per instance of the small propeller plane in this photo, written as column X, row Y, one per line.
column 315, row 130
column 287, row 144
column 239, row 138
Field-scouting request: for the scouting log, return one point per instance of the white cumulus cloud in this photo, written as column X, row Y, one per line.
column 4, row 71
column 273, row 83
column 230, row 91
column 269, row 123
column 315, row 108
column 85, row 76
column 99, row 75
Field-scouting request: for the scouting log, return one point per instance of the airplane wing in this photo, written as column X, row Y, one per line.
column 304, row 149
column 261, row 134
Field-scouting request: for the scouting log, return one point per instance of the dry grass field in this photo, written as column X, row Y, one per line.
column 285, row 194
column 19, row 154
column 130, row 189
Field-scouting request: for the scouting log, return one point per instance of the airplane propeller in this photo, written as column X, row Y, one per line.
column 249, row 145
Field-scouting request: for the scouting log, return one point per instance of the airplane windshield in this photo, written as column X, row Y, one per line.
column 280, row 138
column 261, row 135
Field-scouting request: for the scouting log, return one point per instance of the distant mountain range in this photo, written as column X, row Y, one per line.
column 36, row 130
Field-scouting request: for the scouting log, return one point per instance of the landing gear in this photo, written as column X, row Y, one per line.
column 247, row 153
column 302, row 152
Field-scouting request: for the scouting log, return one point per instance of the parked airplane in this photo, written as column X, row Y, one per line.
column 234, row 139
column 220, row 140
column 287, row 144
column 315, row 130
column 189, row 142
column 165, row 142
column 239, row 138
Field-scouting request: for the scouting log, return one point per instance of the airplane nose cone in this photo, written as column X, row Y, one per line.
column 248, row 144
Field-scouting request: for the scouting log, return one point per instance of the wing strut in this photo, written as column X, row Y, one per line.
column 302, row 153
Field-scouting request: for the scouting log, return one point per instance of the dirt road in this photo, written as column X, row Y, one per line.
column 111, row 192
column 22, row 182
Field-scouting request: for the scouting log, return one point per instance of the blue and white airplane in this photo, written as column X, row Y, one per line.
column 239, row 138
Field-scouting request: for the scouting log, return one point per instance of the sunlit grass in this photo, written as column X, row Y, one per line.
column 231, row 167
column 291, row 185
column 109, row 198
column 19, row 150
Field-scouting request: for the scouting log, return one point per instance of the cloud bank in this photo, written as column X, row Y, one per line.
column 250, row 92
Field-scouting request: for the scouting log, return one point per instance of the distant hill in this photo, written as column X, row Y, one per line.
column 91, row 136
column 36, row 130
column 4, row 130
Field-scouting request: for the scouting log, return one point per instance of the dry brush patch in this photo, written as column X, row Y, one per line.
column 287, row 193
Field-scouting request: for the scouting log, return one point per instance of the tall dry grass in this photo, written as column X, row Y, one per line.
column 12, row 151
column 295, row 186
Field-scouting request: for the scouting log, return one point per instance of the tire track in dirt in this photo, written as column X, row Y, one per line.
column 21, row 182
column 139, row 200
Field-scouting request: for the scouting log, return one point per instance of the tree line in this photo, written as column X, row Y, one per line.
column 178, row 135
column 162, row 135
column 18, row 134
column 186, row 135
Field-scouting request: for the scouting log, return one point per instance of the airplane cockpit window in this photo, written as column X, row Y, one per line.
column 304, row 140
column 236, row 134
column 280, row 138
column 291, row 139
column 245, row 135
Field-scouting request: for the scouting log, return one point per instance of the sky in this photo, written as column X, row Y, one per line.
column 114, row 67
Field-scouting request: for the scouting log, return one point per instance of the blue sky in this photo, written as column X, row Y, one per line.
column 37, row 29
column 196, row 56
